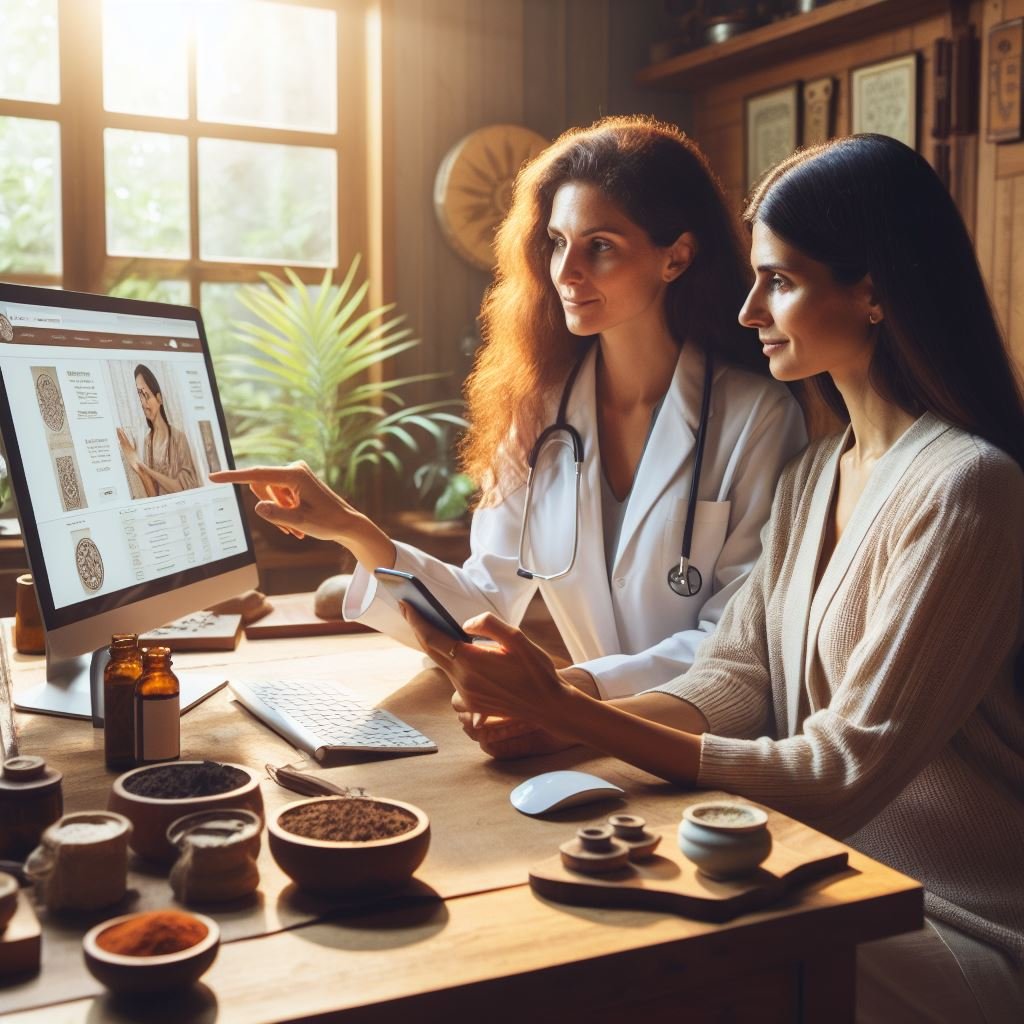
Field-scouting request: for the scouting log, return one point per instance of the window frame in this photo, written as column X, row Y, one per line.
column 82, row 121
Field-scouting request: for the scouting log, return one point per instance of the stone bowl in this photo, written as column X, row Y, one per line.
column 151, row 816
column 343, row 867
column 725, row 839
column 164, row 973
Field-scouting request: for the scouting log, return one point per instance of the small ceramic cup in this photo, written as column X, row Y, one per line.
column 81, row 862
column 723, row 839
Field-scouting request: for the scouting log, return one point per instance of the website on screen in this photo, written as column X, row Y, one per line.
column 118, row 431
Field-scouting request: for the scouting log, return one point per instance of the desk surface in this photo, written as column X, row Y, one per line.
column 494, row 947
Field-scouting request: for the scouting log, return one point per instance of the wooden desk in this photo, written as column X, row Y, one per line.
column 499, row 954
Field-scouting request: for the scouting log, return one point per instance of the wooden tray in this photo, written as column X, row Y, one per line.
column 293, row 615
column 671, row 882
column 20, row 942
column 200, row 631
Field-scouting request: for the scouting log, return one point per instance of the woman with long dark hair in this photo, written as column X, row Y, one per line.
column 865, row 677
column 613, row 312
column 165, row 464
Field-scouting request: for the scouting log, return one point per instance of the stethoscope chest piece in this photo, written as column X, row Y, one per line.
column 685, row 580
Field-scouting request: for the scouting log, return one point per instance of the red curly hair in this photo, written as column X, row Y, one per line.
column 662, row 181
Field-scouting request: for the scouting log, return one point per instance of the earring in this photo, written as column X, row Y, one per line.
column 873, row 319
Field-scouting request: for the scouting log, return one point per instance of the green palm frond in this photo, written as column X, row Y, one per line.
column 298, row 377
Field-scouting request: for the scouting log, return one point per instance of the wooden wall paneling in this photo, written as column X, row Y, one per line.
column 1000, row 253
column 353, row 117
column 991, row 13
column 431, row 89
column 410, row 43
column 999, row 229
column 1009, row 159
column 586, row 60
column 458, row 65
column 1015, row 321
column 545, row 29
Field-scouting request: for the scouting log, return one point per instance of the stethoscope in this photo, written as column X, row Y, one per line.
column 684, row 579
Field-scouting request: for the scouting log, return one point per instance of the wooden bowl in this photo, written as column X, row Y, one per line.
column 151, row 816
column 343, row 866
column 164, row 973
column 8, row 898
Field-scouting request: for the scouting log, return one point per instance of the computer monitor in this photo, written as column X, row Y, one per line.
column 112, row 423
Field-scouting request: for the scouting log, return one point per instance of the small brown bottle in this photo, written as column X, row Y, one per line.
column 157, row 709
column 119, row 679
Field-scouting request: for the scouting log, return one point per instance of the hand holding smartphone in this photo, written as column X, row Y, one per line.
column 414, row 592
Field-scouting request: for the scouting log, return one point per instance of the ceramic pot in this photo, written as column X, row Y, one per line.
column 152, row 816
column 725, row 840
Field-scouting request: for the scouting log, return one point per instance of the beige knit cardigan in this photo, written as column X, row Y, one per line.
column 882, row 709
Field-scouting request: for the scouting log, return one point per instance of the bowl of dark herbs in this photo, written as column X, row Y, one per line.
column 349, row 845
column 155, row 795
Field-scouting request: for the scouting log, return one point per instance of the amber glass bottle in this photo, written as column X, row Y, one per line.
column 119, row 679
column 157, row 709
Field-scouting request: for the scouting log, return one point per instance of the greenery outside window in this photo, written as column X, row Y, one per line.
column 177, row 149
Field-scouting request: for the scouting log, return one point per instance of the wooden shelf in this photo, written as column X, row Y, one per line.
column 838, row 23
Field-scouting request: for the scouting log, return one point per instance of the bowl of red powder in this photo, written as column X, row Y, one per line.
column 357, row 846
column 155, row 795
column 155, row 951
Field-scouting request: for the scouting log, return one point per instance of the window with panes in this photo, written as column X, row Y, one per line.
column 174, row 149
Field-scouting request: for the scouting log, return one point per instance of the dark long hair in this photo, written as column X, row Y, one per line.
column 868, row 204
column 662, row 181
column 147, row 375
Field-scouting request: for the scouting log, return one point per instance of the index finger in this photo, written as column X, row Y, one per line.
column 256, row 475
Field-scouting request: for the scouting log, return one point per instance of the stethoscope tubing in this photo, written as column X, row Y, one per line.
column 683, row 579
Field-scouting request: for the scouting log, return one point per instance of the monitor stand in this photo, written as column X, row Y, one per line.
column 74, row 687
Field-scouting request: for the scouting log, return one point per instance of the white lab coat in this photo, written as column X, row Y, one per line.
column 630, row 631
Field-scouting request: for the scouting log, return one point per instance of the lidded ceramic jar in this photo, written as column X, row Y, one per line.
column 30, row 800
column 725, row 839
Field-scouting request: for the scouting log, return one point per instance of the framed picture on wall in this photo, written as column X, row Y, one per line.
column 884, row 98
column 1005, row 95
column 772, row 121
column 819, row 114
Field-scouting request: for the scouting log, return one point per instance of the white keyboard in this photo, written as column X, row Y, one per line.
column 320, row 717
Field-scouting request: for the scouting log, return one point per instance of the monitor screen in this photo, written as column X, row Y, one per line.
column 112, row 424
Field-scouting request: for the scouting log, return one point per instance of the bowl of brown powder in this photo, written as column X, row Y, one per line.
column 349, row 845
column 155, row 795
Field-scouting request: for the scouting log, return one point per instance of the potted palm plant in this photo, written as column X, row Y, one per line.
column 304, row 382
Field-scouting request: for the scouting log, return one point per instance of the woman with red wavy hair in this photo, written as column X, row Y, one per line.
column 613, row 311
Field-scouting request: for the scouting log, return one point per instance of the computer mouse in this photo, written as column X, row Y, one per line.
column 554, row 791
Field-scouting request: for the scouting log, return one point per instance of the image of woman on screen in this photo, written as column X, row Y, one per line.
column 165, row 464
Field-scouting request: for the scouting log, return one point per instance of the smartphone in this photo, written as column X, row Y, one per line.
column 413, row 591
